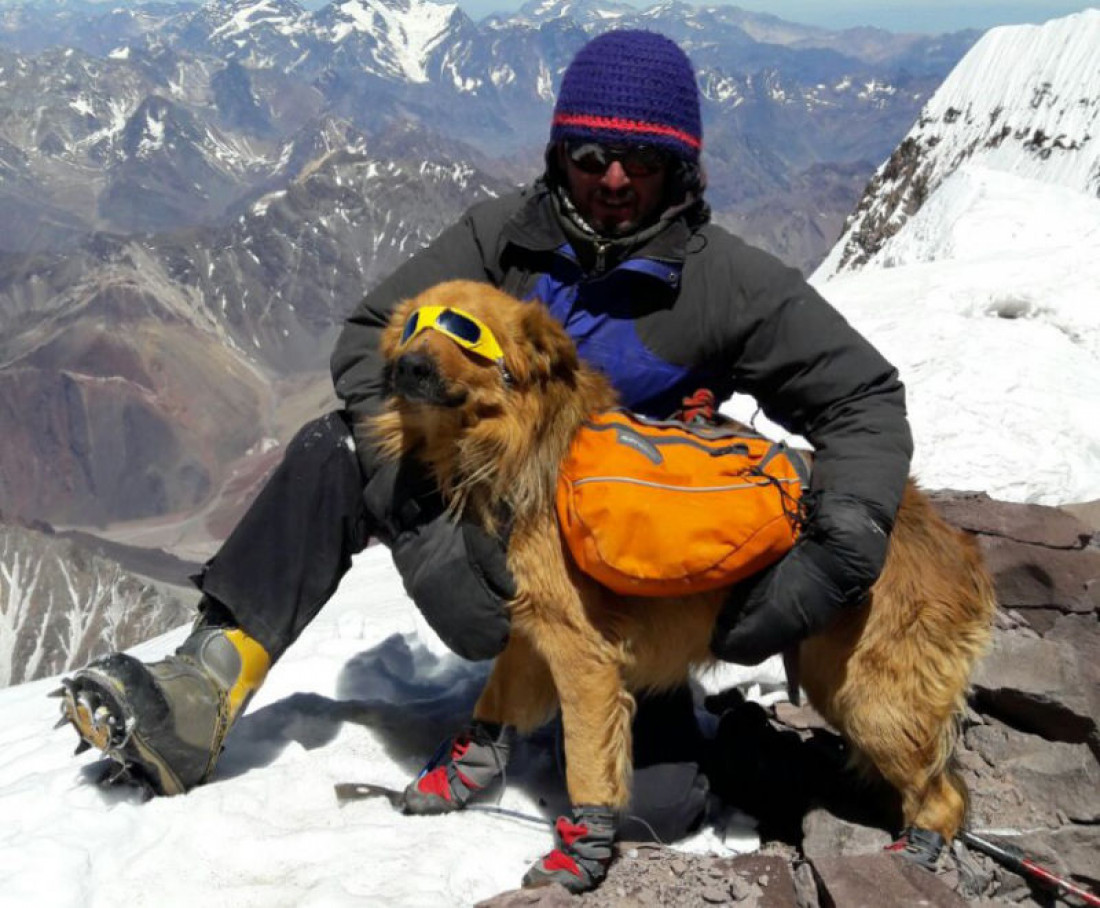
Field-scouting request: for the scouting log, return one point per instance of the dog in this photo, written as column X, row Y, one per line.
column 493, row 425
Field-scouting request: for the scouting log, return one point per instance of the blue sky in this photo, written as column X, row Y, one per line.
column 917, row 15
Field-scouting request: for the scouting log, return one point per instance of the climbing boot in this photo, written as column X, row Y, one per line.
column 461, row 767
column 163, row 723
column 582, row 854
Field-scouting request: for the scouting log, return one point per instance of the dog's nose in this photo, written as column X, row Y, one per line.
column 416, row 377
column 412, row 371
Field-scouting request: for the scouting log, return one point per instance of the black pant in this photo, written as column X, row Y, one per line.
column 289, row 552
column 285, row 558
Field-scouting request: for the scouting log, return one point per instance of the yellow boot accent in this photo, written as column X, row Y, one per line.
column 255, row 663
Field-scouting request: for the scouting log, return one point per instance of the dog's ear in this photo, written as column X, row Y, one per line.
column 555, row 353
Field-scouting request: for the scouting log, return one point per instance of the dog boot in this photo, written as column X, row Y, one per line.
column 163, row 723
column 583, row 852
column 461, row 767
column 921, row 846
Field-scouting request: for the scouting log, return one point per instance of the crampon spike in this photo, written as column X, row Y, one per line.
column 81, row 747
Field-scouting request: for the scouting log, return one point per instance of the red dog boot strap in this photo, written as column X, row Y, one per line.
column 583, row 852
column 921, row 846
column 461, row 767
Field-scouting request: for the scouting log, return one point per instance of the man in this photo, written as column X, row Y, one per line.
column 616, row 241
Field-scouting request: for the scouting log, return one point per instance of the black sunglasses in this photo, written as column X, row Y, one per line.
column 636, row 160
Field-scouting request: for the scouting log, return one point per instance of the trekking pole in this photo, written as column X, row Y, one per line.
column 1015, row 860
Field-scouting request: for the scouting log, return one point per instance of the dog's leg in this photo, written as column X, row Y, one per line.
column 520, row 691
column 563, row 615
column 596, row 712
column 892, row 677
column 895, row 726
column 586, row 666
column 519, row 696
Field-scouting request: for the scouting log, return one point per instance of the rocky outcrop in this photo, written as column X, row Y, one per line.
column 1028, row 752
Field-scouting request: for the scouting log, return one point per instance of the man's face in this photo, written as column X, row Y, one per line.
column 616, row 189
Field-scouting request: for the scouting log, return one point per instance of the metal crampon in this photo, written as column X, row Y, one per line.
column 102, row 723
column 97, row 719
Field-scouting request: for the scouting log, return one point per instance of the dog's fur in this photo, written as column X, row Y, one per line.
column 890, row 674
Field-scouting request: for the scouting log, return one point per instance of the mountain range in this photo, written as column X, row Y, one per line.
column 193, row 196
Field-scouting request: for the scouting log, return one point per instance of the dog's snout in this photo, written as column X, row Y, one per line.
column 412, row 370
column 415, row 376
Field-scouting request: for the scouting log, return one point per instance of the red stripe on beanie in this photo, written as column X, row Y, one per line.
column 633, row 126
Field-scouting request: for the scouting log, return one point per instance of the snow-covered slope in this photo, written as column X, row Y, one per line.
column 1024, row 100
column 988, row 302
column 366, row 694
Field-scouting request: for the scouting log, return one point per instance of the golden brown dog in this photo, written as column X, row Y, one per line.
column 890, row 675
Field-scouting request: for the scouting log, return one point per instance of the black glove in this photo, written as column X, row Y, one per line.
column 455, row 572
column 833, row 565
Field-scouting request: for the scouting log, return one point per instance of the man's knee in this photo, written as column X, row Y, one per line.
column 322, row 438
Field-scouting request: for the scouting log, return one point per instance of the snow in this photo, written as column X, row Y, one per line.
column 988, row 302
column 262, row 13
column 152, row 138
column 82, row 105
column 364, row 695
column 412, row 29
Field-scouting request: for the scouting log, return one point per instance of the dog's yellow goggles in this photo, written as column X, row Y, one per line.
column 461, row 327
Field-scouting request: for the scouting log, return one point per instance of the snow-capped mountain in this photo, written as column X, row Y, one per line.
column 394, row 39
column 1025, row 100
column 256, row 33
column 31, row 26
column 61, row 604
column 155, row 363
column 976, row 267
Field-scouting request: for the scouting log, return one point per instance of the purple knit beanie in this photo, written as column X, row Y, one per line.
column 630, row 88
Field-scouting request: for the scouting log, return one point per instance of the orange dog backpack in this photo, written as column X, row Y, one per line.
column 664, row 508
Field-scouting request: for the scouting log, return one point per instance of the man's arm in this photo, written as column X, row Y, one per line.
column 815, row 375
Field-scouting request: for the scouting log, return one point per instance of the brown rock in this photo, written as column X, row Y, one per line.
column 1036, row 685
column 1036, row 524
column 875, row 880
column 1082, row 634
column 826, row 835
column 1088, row 512
column 767, row 877
column 544, row 897
column 1034, row 576
column 1053, row 776
column 805, row 887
